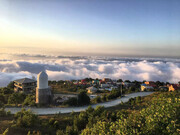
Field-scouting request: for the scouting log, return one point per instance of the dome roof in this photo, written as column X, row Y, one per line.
column 42, row 80
column 42, row 75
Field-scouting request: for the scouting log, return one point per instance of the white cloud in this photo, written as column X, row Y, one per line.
column 69, row 68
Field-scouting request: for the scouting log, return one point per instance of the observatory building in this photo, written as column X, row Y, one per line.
column 43, row 91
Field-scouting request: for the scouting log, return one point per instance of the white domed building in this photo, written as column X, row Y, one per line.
column 43, row 91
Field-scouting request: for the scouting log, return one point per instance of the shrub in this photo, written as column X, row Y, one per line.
column 26, row 119
column 104, row 98
column 16, row 98
column 30, row 100
column 97, row 99
column 83, row 98
column 59, row 132
column 71, row 102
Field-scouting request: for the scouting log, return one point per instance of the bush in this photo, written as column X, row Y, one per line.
column 2, row 99
column 26, row 119
column 4, row 113
column 6, row 132
column 59, row 132
column 114, row 94
column 16, row 98
column 30, row 100
column 70, row 131
column 160, row 118
column 83, row 98
column 97, row 99
column 6, row 91
column 10, row 85
column 71, row 102
column 104, row 98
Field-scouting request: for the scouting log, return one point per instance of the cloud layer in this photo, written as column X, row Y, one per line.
column 69, row 68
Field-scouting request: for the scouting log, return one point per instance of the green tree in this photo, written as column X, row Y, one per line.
column 29, row 100
column 2, row 100
column 161, row 117
column 11, row 85
column 71, row 102
column 16, row 98
column 97, row 99
column 6, row 91
column 83, row 98
column 70, row 131
column 26, row 119
column 6, row 131
column 59, row 132
column 119, row 80
column 104, row 98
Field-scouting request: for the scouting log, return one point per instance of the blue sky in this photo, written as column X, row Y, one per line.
column 119, row 27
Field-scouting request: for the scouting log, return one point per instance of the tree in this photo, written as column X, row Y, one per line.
column 71, row 102
column 70, row 131
column 119, row 80
column 144, row 81
column 6, row 131
column 83, row 98
column 11, row 85
column 97, row 99
column 59, row 132
column 26, row 119
column 127, row 81
column 161, row 117
column 6, row 91
column 30, row 100
column 104, row 98
column 16, row 98
column 2, row 99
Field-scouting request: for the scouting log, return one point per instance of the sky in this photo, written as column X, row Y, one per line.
column 86, row 27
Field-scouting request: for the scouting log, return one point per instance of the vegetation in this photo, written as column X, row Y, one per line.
column 162, row 116
column 26, row 119
column 82, row 99
column 66, row 87
column 158, row 113
column 29, row 100
column 16, row 98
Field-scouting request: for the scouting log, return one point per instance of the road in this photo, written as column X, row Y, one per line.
column 55, row 110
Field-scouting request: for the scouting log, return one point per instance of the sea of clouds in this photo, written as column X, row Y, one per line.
column 69, row 68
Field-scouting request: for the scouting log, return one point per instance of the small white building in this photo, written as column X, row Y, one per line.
column 91, row 90
column 144, row 87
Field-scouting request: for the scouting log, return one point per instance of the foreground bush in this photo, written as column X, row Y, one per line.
column 162, row 117
column 26, row 119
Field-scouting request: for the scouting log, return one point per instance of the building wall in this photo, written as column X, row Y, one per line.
column 43, row 96
column 26, row 88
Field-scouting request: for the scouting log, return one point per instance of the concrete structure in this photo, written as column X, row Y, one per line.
column 25, row 85
column 43, row 91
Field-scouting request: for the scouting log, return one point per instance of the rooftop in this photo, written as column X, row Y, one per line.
column 25, row 80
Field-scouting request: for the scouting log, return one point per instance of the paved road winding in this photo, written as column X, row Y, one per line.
column 55, row 110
